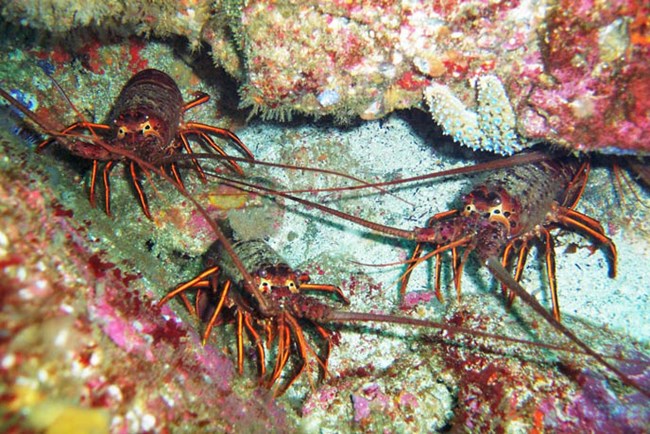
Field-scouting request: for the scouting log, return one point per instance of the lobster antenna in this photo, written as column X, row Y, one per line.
column 343, row 317
column 52, row 129
column 76, row 110
column 396, row 232
column 515, row 160
column 47, row 128
column 255, row 162
column 495, row 267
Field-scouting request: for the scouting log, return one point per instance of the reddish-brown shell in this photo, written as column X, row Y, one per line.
column 146, row 115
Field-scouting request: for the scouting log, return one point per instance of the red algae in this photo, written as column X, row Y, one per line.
column 137, row 63
column 86, row 338
column 564, row 65
column 97, row 280
column 98, row 266
column 60, row 211
column 90, row 57
column 514, row 390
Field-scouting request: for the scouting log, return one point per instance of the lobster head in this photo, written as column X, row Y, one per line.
column 494, row 205
column 279, row 278
column 142, row 134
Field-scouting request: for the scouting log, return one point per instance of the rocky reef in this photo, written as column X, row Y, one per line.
column 82, row 338
column 85, row 347
column 569, row 73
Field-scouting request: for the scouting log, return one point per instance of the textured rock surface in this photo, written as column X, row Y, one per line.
column 575, row 73
column 83, row 340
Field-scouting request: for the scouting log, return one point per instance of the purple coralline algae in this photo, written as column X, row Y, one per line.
column 570, row 73
column 84, row 348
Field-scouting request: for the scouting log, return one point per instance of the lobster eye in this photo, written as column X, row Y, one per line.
column 469, row 209
column 265, row 286
column 292, row 286
column 146, row 128
column 262, row 273
column 121, row 132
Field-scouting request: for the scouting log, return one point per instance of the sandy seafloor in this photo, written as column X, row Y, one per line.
column 385, row 377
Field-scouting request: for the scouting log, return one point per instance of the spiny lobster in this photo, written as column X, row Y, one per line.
column 146, row 122
column 290, row 315
column 495, row 233
column 505, row 212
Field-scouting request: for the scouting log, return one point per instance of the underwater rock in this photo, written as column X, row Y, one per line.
column 83, row 336
column 576, row 74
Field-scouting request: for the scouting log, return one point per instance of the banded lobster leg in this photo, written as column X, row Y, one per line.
column 287, row 325
column 563, row 215
column 207, row 281
column 284, row 328
column 133, row 168
column 417, row 252
column 90, row 127
column 202, row 130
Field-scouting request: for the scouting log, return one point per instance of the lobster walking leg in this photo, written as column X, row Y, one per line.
column 413, row 261
column 580, row 222
column 258, row 343
column 549, row 254
column 138, row 188
column 202, row 130
column 521, row 263
column 302, row 345
column 107, row 187
column 493, row 217
column 332, row 289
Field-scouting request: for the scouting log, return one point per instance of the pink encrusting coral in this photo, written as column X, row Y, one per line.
column 572, row 73
column 84, row 346
column 575, row 75
column 599, row 78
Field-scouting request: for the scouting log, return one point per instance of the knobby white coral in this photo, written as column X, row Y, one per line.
column 493, row 127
